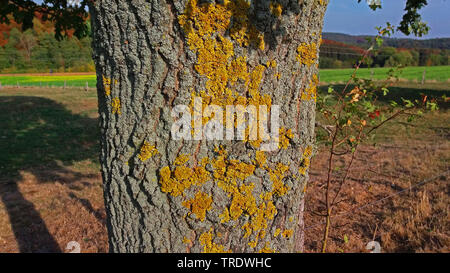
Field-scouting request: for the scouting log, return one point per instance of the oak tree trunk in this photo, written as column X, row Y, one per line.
column 168, row 195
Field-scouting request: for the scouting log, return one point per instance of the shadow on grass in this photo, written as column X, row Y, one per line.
column 39, row 136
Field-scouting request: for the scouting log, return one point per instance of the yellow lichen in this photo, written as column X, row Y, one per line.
column 176, row 181
column 267, row 249
column 273, row 63
column 306, row 160
column 307, row 53
column 206, row 240
column 258, row 223
column 186, row 241
column 107, row 85
column 205, row 26
column 276, row 176
column 225, row 216
column 287, row 233
column 170, row 185
column 242, row 30
column 147, row 151
column 199, row 205
column 116, row 106
column 238, row 70
column 228, row 172
column 181, row 160
column 212, row 32
column 253, row 244
column 248, row 229
column 243, row 201
column 277, row 232
column 260, row 158
column 276, row 9
column 311, row 91
column 285, row 136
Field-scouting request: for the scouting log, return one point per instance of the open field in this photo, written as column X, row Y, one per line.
column 433, row 74
column 43, row 80
column 51, row 188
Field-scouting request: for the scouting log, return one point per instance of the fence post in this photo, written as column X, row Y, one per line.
column 18, row 85
column 86, row 87
column 64, row 84
column 371, row 74
column 423, row 76
column 0, row 85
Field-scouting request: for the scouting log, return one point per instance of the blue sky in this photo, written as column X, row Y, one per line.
column 347, row 16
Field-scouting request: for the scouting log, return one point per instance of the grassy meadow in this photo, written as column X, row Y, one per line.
column 433, row 73
column 47, row 80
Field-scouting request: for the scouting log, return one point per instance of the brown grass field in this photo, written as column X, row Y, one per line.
column 51, row 188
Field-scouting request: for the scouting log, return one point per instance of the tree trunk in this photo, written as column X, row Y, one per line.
column 199, row 195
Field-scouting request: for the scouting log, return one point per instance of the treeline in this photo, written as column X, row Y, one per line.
column 335, row 54
column 361, row 41
column 37, row 50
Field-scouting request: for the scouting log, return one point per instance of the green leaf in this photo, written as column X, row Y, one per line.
column 432, row 106
column 345, row 239
column 408, row 103
column 379, row 41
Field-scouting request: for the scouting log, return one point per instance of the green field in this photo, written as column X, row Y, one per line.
column 71, row 80
column 433, row 73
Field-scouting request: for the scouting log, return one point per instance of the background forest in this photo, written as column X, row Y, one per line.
column 37, row 50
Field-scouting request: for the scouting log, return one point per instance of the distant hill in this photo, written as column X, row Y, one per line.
column 360, row 41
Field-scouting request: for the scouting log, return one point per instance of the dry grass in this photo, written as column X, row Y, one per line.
column 414, row 221
column 67, row 213
column 50, row 184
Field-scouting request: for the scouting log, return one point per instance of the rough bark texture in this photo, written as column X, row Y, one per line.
column 163, row 195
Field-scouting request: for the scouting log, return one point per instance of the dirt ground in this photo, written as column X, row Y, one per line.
column 394, row 195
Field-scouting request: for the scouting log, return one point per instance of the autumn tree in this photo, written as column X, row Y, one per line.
column 196, row 194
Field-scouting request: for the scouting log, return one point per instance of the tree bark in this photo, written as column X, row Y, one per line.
column 167, row 195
